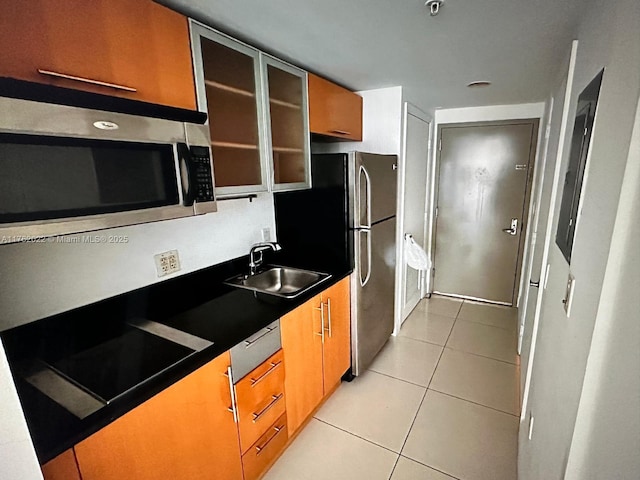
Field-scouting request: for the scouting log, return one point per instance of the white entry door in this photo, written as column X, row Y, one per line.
column 416, row 168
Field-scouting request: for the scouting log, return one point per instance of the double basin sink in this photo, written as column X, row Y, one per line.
column 281, row 281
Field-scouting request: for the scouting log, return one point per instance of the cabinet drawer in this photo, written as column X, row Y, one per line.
column 260, row 398
column 251, row 352
column 265, row 450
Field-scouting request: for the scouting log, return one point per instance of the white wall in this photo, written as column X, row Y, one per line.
column 609, row 37
column 17, row 457
column 606, row 439
column 42, row 279
column 489, row 113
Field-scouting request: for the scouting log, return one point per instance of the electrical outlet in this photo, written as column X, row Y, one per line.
column 266, row 234
column 167, row 262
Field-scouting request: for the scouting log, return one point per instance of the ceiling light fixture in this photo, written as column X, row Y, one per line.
column 479, row 83
column 434, row 6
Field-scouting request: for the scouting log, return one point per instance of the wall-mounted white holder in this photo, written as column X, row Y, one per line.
column 568, row 296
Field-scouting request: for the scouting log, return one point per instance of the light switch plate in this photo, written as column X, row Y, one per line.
column 266, row 234
column 167, row 262
column 568, row 296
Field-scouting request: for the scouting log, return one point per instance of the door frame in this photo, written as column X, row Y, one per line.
column 533, row 155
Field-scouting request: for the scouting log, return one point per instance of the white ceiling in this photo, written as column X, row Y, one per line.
column 366, row 44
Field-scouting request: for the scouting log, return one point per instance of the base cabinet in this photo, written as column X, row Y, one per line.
column 268, row 447
column 63, row 467
column 190, row 431
column 186, row 431
column 316, row 341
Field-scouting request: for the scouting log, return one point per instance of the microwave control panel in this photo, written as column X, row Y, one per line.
column 201, row 164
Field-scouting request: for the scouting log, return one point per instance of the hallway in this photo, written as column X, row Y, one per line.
column 439, row 402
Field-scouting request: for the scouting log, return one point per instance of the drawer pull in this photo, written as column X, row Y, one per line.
column 274, row 365
column 341, row 132
column 260, row 448
column 86, row 80
column 275, row 399
column 250, row 343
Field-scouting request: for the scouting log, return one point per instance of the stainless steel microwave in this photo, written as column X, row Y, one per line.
column 70, row 170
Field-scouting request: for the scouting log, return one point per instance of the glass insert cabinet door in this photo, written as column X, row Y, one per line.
column 228, row 85
column 287, row 112
column 258, row 115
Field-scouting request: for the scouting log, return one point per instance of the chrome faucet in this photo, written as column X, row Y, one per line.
column 256, row 261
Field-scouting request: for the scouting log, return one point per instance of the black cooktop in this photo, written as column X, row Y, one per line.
column 114, row 367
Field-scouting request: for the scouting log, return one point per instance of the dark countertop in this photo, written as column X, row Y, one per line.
column 126, row 367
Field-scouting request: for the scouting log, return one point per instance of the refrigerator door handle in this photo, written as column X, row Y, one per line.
column 368, row 186
column 365, row 280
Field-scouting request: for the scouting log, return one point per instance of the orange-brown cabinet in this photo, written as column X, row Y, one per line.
column 63, row 467
column 334, row 111
column 186, row 431
column 316, row 341
column 135, row 49
column 260, row 398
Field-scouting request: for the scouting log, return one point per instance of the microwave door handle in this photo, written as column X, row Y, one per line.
column 186, row 174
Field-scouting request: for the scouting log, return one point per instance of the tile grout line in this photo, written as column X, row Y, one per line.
column 475, row 403
column 424, row 341
column 394, row 467
column 429, row 466
column 482, row 356
column 485, row 324
column 399, row 379
column 356, row 435
column 425, row 394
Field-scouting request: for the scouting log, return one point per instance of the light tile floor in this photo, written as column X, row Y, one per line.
column 440, row 402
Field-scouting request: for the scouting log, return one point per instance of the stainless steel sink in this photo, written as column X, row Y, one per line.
column 280, row 281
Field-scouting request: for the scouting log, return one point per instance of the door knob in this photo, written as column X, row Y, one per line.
column 513, row 230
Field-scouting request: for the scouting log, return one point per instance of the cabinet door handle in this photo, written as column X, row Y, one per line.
column 329, row 316
column 273, row 366
column 274, row 399
column 86, row 80
column 233, row 408
column 260, row 448
column 321, row 308
column 341, row 132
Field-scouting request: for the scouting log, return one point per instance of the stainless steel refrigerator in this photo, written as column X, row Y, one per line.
column 348, row 221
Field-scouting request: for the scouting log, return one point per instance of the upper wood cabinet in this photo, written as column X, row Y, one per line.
column 334, row 111
column 258, row 115
column 286, row 94
column 229, row 88
column 63, row 467
column 134, row 49
column 316, row 339
column 186, row 431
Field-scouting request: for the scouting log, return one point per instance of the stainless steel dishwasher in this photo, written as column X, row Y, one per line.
column 254, row 350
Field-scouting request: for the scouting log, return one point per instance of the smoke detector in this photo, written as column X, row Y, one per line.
column 434, row 6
